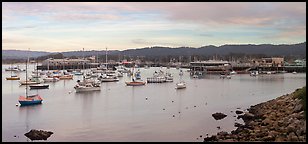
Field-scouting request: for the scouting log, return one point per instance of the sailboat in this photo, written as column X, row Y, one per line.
column 134, row 82
column 29, row 99
column 181, row 84
column 13, row 77
column 108, row 75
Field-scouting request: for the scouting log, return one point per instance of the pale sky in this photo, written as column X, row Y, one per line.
column 63, row 26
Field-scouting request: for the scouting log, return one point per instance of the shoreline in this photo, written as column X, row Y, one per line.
column 280, row 119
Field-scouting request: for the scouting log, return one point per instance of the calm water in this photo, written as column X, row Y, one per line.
column 122, row 113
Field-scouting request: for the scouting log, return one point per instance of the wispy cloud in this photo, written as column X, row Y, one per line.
column 121, row 25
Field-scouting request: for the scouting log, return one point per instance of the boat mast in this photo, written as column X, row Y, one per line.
column 106, row 59
column 27, row 75
column 83, row 58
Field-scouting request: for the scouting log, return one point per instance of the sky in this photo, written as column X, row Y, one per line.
column 64, row 26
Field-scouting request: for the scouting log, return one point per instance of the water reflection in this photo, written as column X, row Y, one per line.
column 28, row 114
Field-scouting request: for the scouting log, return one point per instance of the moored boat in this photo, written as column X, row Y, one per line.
column 30, row 100
column 13, row 78
column 87, row 87
column 180, row 85
column 39, row 86
column 135, row 83
column 66, row 77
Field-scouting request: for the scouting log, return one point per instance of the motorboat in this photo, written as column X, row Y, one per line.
column 105, row 78
column 180, row 85
column 87, row 87
column 51, row 79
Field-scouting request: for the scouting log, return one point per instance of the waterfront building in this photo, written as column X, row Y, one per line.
column 67, row 63
column 210, row 67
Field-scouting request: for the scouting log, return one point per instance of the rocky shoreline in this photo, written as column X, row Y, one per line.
column 280, row 119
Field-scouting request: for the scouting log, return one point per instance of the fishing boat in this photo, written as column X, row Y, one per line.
column 294, row 72
column 87, row 87
column 39, row 86
column 181, row 84
column 158, row 77
column 29, row 99
column 13, row 77
column 105, row 78
column 135, row 82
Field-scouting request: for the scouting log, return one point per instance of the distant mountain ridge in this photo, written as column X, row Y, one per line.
column 265, row 49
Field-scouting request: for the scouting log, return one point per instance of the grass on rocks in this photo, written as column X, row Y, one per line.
column 301, row 94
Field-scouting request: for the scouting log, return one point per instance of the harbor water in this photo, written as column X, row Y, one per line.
column 153, row 112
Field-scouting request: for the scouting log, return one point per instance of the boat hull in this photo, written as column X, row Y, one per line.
column 88, row 89
column 29, row 83
column 30, row 100
column 12, row 78
column 109, row 80
column 135, row 83
column 180, row 86
column 39, row 87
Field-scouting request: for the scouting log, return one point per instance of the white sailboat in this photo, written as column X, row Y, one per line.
column 181, row 84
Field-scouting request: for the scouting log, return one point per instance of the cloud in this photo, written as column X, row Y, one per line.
column 206, row 35
column 159, row 23
column 19, row 27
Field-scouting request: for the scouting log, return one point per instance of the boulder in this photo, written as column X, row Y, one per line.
column 238, row 112
column 298, row 108
column 209, row 139
column 38, row 134
column 218, row 116
column 247, row 116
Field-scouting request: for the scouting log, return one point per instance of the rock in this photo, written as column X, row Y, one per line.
column 280, row 139
column 218, row 116
column 268, row 138
column 38, row 134
column 292, row 137
column 209, row 139
column 238, row 112
column 298, row 108
column 238, row 125
column 291, row 128
column 228, row 140
column 222, row 133
column 266, row 121
column 247, row 116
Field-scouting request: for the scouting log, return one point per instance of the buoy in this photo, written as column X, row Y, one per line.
column 146, row 98
column 163, row 109
column 16, row 104
column 172, row 101
column 173, row 115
